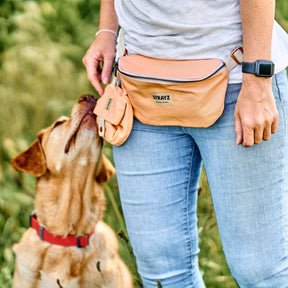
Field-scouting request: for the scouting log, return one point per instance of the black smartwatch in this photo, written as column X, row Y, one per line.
column 260, row 68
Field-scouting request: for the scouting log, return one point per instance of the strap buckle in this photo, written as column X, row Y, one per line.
column 237, row 55
column 42, row 229
column 79, row 241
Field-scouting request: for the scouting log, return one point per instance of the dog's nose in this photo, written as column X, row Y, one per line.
column 88, row 98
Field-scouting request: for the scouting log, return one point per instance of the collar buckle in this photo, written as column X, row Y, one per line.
column 42, row 229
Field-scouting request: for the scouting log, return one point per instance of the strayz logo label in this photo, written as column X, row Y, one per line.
column 162, row 99
column 108, row 104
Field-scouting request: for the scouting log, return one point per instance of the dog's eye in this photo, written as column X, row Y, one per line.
column 59, row 122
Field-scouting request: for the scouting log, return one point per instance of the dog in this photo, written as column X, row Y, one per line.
column 68, row 245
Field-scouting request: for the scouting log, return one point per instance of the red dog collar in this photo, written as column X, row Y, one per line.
column 70, row 240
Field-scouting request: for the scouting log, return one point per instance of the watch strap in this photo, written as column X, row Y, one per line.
column 248, row 67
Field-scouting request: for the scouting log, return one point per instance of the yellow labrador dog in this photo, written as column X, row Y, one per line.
column 67, row 244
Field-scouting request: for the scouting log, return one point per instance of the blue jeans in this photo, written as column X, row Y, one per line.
column 158, row 170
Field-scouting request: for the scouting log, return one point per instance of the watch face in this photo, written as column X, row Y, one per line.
column 264, row 68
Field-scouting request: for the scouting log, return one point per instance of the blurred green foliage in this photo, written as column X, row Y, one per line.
column 282, row 13
column 41, row 76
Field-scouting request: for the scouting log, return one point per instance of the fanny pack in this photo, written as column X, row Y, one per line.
column 188, row 93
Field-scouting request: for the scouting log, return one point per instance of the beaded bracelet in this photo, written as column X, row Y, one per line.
column 105, row 30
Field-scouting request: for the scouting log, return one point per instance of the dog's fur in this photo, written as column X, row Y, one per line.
column 70, row 168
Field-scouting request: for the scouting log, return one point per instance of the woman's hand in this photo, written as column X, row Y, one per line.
column 99, row 59
column 256, row 115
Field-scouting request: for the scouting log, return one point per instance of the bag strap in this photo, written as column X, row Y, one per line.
column 121, row 44
column 234, row 59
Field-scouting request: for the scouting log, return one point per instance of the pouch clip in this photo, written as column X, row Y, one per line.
column 101, row 125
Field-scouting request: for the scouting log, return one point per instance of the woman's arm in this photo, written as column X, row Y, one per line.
column 256, row 115
column 102, row 50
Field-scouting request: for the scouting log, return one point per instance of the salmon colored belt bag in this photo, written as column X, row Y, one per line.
column 188, row 93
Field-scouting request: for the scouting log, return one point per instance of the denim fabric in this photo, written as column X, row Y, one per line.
column 158, row 170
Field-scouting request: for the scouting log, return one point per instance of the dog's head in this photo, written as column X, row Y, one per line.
column 69, row 146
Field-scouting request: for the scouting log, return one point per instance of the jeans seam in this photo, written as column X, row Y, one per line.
column 189, row 242
column 284, row 152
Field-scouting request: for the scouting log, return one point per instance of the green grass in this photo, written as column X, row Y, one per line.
column 41, row 77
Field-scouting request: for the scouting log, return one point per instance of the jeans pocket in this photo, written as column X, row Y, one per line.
column 232, row 93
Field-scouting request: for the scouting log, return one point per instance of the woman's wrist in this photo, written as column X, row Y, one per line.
column 106, row 31
column 259, row 85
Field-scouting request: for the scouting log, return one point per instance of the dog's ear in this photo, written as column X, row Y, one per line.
column 105, row 170
column 32, row 160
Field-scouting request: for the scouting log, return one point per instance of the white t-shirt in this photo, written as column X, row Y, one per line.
column 190, row 29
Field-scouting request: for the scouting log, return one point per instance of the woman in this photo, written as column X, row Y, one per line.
column 158, row 167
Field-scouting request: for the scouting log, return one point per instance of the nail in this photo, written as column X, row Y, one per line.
column 105, row 80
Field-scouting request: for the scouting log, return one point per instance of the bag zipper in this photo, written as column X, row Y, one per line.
column 169, row 81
